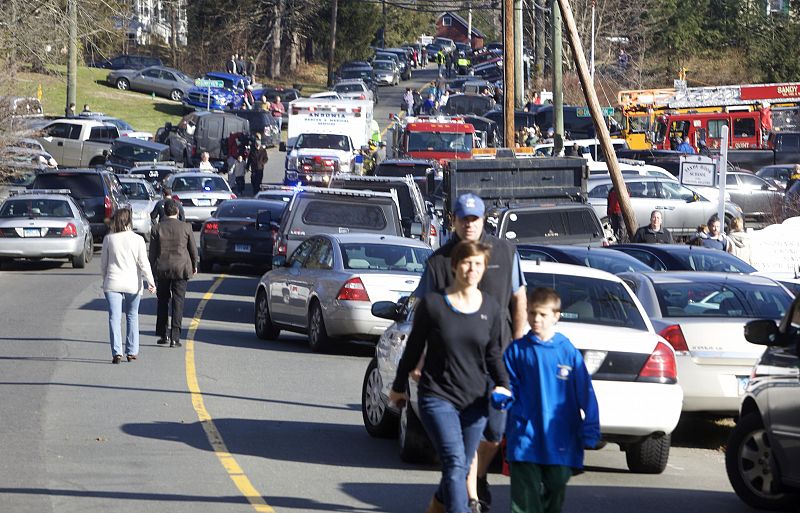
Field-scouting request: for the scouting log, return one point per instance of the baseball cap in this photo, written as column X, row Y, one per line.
column 469, row 205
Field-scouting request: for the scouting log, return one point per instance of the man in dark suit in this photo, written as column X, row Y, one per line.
column 173, row 258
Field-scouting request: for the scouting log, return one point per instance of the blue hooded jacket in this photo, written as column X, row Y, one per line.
column 551, row 386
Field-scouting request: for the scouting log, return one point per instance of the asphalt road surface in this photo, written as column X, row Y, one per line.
column 229, row 423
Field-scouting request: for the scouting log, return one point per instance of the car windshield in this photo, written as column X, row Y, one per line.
column 356, row 73
column 136, row 190
column 607, row 261
column 200, row 183
column 323, row 142
column 35, row 208
column 384, row 257
column 439, row 141
column 715, row 299
column 344, row 215
column 382, row 65
column 591, row 300
column 182, row 76
column 547, row 224
column 250, row 209
column 712, row 260
column 81, row 185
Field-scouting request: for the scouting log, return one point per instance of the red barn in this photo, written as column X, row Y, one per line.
column 453, row 26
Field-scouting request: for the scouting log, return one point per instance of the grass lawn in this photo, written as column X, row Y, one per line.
column 140, row 110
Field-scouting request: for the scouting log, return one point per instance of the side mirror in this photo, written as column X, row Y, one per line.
column 762, row 332
column 386, row 310
column 282, row 147
column 264, row 220
column 213, row 213
column 278, row 261
column 416, row 229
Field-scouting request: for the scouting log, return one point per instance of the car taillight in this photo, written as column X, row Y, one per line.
column 280, row 248
column 674, row 335
column 211, row 228
column 434, row 233
column 107, row 206
column 69, row 231
column 353, row 290
column 233, row 196
column 660, row 367
column 362, row 97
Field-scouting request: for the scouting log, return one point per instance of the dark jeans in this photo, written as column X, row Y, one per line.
column 239, row 185
column 455, row 435
column 618, row 227
column 255, row 180
column 538, row 488
column 170, row 293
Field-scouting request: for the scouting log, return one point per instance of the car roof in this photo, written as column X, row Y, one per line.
column 31, row 194
column 140, row 142
column 535, row 266
column 658, row 277
column 193, row 173
column 366, row 238
column 258, row 201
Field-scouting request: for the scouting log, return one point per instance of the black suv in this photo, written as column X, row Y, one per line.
column 127, row 62
column 127, row 152
column 763, row 453
column 97, row 192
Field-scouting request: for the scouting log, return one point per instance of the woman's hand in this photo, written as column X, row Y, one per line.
column 398, row 398
column 151, row 289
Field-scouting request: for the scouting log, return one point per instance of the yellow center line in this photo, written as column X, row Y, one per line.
column 227, row 460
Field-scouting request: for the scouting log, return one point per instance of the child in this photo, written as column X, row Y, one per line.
column 545, row 432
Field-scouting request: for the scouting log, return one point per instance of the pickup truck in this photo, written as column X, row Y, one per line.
column 76, row 142
column 530, row 200
column 783, row 148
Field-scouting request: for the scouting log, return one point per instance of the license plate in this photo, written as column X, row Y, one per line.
column 31, row 232
column 242, row 248
column 742, row 382
column 204, row 203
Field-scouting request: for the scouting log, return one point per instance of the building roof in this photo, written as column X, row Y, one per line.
column 463, row 22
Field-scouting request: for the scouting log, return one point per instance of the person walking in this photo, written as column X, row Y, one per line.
column 653, row 233
column 614, row 213
column 256, row 161
column 123, row 265
column 459, row 329
column 503, row 281
column 158, row 214
column 173, row 257
column 554, row 408
column 440, row 61
column 408, row 99
column 740, row 240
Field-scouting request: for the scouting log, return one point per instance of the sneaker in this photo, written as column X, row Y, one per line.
column 484, row 495
column 475, row 506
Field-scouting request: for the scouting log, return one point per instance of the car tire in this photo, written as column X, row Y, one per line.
column 318, row 339
column 414, row 444
column 5, row 261
column 176, row 95
column 206, row 265
column 79, row 261
column 649, row 456
column 123, row 84
column 265, row 330
column 97, row 161
column 379, row 420
column 755, row 482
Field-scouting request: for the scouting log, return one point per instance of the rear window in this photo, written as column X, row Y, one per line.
column 81, row 185
column 136, row 153
column 698, row 299
column 416, row 170
column 384, row 257
column 551, row 225
column 345, row 215
column 200, row 183
column 349, row 88
column 135, row 190
column 591, row 300
column 35, row 208
column 716, row 261
column 250, row 209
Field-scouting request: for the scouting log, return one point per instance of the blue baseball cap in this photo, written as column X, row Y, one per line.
column 469, row 205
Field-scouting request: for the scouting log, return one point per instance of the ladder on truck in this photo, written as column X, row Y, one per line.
column 712, row 96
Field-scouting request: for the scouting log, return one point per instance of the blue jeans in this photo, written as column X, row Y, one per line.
column 130, row 302
column 455, row 435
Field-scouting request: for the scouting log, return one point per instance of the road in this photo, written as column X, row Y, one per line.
column 229, row 423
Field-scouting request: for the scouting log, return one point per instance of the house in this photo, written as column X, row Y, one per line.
column 151, row 21
column 453, row 26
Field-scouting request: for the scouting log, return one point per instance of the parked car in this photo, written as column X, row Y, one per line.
column 125, row 128
column 167, row 82
column 702, row 316
column 127, row 152
column 680, row 257
column 261, row 122
column 596, row 258
column 230, row 95
column 386, row 72
column 762, row 457
column 240, row 231
column 628, row 361
column 468, row 103
column 682, row 209
column 761, row 201
column 315, row 210
column 125, row 61
column 327, row 286
column 96, row 191
column 354, row 89
column 44, row 224
column 156, row 173
column 283, row 193
column 778, row 174
column 199, row 192
column 142, row 198
column 201, row 131
column 75, row 142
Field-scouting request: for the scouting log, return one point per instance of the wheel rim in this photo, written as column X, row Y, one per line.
column 177, row 95
column 314, row 329
column 261, row 314
column 123, row 84
column 373, row 402
column 754, row 465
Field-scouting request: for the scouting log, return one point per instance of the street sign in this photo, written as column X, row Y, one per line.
column 201, row 82
column 698, row 170
column 583, row 112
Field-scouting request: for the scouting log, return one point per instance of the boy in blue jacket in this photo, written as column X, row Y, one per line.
column 545, row 432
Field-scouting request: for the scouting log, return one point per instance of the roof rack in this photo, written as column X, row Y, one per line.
column 347, row 192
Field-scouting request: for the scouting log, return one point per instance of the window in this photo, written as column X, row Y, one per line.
column 647, row 258
column 35, row 208
column 251, row 209
column 345, row 215
column 744, row 127
column 384, row 257
column 549, row 225
column 321, row 256
column 198, row 183
column 675, row 191
column 715, row 128
column 739, row 300
column 103, row 133
column 751, row 181
column 59, row 130
column 81, row 185
column 151, row 73
column 447, row 21
column 135, row 190
column 533, row 254
column 301, row 253
column 601, row 191
column 166, row 75
column 731, row 180
column 715, row 261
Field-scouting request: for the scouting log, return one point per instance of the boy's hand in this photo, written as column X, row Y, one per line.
column 501, row 398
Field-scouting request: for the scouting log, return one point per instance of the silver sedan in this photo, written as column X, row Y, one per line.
column 199, row 192
column 326, row 288
column 167, row 82
column 143, row 199
column 44, row 224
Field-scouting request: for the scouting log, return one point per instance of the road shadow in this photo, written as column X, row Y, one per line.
column 173, row 109
column 703, row 432
column 35, row 265
column 287, row 342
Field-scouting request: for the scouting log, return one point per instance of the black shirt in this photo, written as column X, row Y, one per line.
column 462, row 348
column 648, row 235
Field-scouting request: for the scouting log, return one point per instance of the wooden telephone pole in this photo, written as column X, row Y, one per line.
column 508, row 73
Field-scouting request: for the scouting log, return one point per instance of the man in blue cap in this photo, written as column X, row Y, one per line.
column 504, row 281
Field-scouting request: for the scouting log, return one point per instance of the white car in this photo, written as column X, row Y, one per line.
column 633, row 369
column 199, row 192
column 143, row 199
column 702, row 315
column 354, row 89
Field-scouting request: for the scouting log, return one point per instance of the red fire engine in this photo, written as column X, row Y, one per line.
column 431, row 137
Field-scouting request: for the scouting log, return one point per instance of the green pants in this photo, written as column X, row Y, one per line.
column 538, row 488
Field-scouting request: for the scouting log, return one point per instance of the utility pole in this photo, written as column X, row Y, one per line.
column 334, row 13
column 469, row 24
column 72, row 55
column 383, row 31
column 591, row 70
column 558, row 84
column 597, row 117
column 508, row 72
column 541, row 29
column 519, row 81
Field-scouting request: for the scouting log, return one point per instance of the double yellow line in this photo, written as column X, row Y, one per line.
column 227, row 460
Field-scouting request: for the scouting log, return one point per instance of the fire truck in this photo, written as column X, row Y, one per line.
column 431, row 137
column 641, row 109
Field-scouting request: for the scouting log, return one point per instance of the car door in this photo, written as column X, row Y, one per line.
column 166, row 83
column 684, row 210
column 317, row 278
column 72, row 146
column 53, row 140
column 783, row 396
column 284, row 298
column 763, row 199
column 146, row 80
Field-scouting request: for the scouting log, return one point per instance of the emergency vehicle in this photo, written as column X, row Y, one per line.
column 438, row 138
column 642, row 108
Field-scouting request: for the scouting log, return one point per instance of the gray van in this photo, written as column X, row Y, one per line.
column 201, row 131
